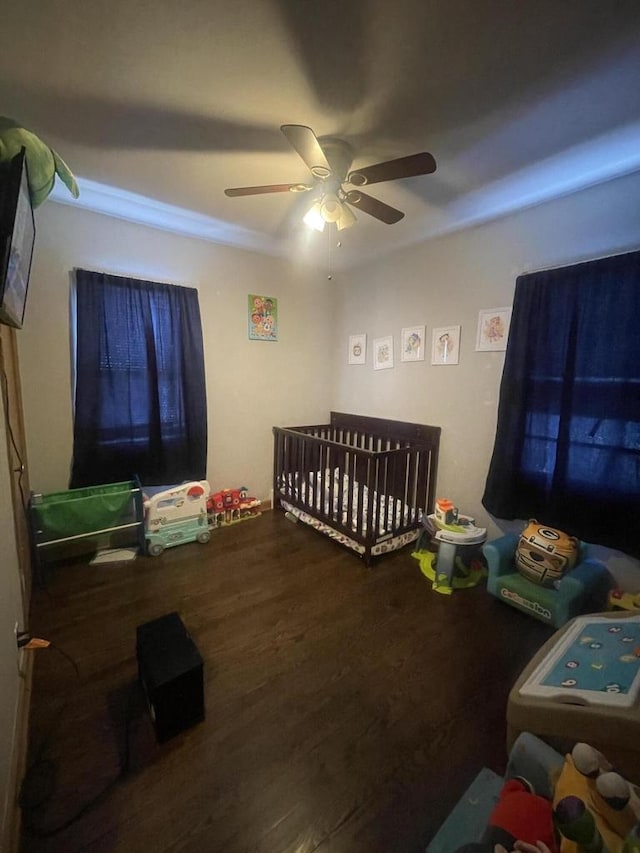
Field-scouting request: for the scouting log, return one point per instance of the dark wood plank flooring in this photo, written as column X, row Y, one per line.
column 347, row 708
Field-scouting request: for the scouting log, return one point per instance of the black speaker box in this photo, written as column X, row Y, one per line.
column 170, row 669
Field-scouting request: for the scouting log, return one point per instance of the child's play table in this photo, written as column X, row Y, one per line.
column 584, row 685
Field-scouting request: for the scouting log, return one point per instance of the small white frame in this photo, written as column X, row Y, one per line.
column 357, row 349
column 445, row 345
column 412, row 343
column 493, row 329
column 383, row 353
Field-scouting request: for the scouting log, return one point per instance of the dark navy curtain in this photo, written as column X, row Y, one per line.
column 140, row 402
column 567, row 447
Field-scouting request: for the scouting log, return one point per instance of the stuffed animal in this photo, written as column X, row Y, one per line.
column 594, row 810
column 576, row 824
column 544, row 554
column 594, row 807
column 519, row 815
column 43, row 163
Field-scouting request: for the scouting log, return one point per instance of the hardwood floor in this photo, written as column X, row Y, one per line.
column 347, row 709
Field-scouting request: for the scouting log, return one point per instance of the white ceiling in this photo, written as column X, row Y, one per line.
column 174, row 101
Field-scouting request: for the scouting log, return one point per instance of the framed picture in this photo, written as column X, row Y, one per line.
column 357, row 349
column 263, row 318
column 383, row 353
column 17, row 236
column 445, row 345
column 412, row 344
column 493, row 329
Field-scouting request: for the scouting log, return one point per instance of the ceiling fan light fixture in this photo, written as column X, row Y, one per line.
column 347, row 218
column 330, row 207
column 313, row 217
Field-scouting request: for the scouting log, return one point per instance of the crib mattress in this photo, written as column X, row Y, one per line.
column 392, row 513
column 390, row 544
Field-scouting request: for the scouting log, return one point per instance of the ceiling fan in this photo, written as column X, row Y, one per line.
column 329, row 160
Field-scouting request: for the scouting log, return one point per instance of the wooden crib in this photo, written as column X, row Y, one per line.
column 365, row 482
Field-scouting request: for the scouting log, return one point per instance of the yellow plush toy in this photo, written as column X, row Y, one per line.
column 610, row 800
column 43, row 163
column 544, row 554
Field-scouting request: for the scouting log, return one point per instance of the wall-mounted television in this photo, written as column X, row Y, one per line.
column 17, row 236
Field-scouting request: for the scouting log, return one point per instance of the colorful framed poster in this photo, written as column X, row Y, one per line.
column 445, row 345
column 412, row 344
column 493, row 329
column 263, row 318
column 383, row 353
column 357, row 349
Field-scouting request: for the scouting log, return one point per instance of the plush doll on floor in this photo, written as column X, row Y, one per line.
column 594, row 810
column 521, row 820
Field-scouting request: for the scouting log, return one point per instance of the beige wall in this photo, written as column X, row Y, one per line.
column 446, row 282
column 10, row 613
column 251, row 385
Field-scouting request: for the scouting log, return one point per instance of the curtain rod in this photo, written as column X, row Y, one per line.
column 103, row 271
column 579, row 261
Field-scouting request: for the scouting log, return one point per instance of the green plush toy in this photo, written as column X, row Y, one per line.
column 42, row 162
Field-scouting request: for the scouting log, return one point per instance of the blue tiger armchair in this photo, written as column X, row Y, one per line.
column 583, row 589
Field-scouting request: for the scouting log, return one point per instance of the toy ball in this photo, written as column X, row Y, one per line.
column 544, row 554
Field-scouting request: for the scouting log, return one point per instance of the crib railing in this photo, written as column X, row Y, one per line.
column 367, row 485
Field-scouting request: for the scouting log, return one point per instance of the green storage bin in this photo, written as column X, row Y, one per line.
column 77, row 511
column 78, row 514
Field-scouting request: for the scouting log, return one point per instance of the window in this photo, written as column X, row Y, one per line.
column 140, row 403
column 567, row 448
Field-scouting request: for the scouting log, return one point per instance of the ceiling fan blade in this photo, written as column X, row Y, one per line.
column 305, row 142
column 403, row 167
column 270, row 188
column 374, row 207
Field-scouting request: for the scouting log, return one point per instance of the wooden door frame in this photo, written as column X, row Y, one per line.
column 17, row 456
